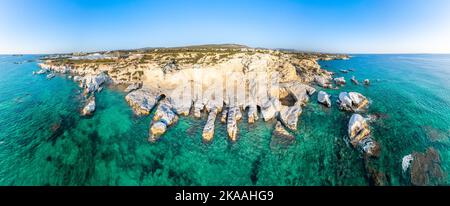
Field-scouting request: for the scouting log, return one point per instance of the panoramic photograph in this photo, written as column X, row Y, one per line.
column 224, row 93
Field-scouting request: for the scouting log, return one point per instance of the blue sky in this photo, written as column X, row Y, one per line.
column 348, row 26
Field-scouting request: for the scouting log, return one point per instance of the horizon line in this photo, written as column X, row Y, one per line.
column 216, row 44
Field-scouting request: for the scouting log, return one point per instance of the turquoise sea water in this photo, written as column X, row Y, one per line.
column 44, row 141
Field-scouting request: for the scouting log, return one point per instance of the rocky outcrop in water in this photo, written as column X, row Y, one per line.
column 359, row 136
column 352, row 101
column 223, row 117
column 142, row 100
column 324, row 98
column 163, row 118
column 339, row 81
column 233, row 116
column 323, row 81
column 208, row 130
column 366, row 82
column 50, row 76
column 406, row 162
column 252, row 114
column 92, row 83
column 289, row 115
column 41, row 71
column 354, row 80
column 89, row 108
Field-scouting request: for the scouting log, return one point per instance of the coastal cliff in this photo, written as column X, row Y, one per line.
column 231, row 79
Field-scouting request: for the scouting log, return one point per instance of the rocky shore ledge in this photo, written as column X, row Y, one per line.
column 229, row 82
column 224, row 80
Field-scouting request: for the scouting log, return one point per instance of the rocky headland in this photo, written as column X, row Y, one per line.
column 224, row 80
column 228, row 82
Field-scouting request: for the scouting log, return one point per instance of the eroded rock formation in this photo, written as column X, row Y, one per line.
column 352, row 101
column 359, row 135
column 89, row 108
column 324, row 98
column 142, row 100
column 203, row 79
column 163, row 118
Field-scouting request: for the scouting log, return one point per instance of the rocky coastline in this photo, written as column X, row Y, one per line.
column 273, row 84
column 225, row 84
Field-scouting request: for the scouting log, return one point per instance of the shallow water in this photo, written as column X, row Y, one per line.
column 44, row 141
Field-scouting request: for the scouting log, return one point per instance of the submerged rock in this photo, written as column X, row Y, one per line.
column 89, row 108
column 142, row 100
column 426, row 169
column 370, row 147
column 208, row 130
column 324, row 98
column 377, row 178
column 352, row 101
column 280, row 136
column 289, row 115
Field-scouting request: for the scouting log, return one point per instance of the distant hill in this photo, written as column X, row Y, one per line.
column 203, row 46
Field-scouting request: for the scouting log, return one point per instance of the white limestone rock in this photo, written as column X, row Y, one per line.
column 323, row 81
column 289, row 115
column 208, row 130
column 324, row 98
column 352, row 101
column 142, row 100
column 359, row 136
column 232, row 118
column 340, row 81
column 89, row 108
